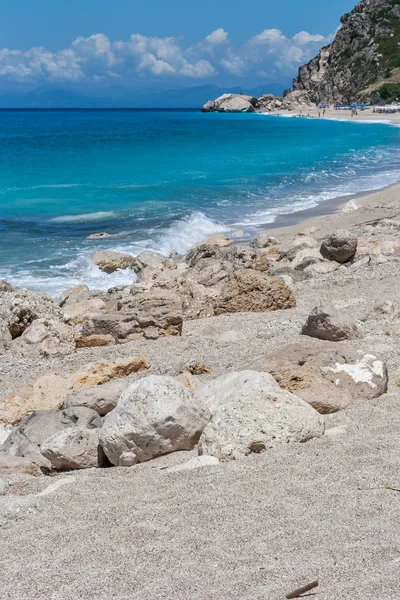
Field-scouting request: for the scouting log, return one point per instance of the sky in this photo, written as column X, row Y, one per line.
column 160, row 43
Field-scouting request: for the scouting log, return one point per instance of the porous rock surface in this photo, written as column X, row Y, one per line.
column 154, row 416
column 330, row 376
column 249, row 290
column 73, row 448
column 256, row 419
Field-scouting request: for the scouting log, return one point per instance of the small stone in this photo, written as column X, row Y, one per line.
column 197, row 368
column 99, row 236
column 263, row 240
column 3, row 488
column 325, row 322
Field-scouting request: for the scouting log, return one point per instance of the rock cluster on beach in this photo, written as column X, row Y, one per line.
column 95, row 416
column 240, row 103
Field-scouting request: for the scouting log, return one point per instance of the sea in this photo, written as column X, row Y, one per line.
column 163, row 180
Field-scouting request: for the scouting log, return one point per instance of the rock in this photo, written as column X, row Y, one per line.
column 233, row 103
column 73, row 449
column 340, row 246
column 45, row 338
column 3, row 488
column 196, row 368
column 99, row 236
column 118, row 325
column 17, row 465
column 210, row 272
column 46, row 392
column 100, row 398
column 75, row 294
column 241, row 257
column 109, row 260
column 158, row 312
column 262, row 263
column 196, row 462
column 217, row 239
column 19, row 309
column 249, row 290
column 325, row 322
column 6, row 287
column 197, row 300
column 98, row 373
column 76, row 312
column 385, row 307
column 208, row 106
column 201, row 251
column 223, row 388
column 5, row 338
column 239, row 233
column 93, row 341
column 256, row 419
column 26, row 439
column 264, row 240
column 321, row 268
column 358, row 264
column 305, row 258
column 5, row 431
column 328, row 375
column 154, row 416
column 151, row 259
column 298, row 244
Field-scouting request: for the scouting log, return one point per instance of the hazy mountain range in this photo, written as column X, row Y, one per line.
column 191, row 97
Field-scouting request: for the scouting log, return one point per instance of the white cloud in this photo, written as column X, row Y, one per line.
column 219, row 36
column 303, row 37
column 97, row 58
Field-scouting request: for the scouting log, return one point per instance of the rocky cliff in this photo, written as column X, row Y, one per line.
column 364, row 55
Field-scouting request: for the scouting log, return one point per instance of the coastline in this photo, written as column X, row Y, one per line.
column 365, row 116
column 342, row 212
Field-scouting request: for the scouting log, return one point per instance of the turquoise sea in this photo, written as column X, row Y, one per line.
column 163, row 180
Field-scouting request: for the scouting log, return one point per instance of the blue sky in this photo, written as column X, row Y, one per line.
column 133, row 43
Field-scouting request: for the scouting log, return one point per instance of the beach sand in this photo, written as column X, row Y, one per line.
column 366, row 115
column 252, row 530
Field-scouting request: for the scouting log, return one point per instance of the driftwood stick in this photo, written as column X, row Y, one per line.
column 303, row 590
column 382, row 487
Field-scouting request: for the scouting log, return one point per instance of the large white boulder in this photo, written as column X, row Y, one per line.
column 253, row 419
column 219, row 390
column 234, row 103
column 154, row 416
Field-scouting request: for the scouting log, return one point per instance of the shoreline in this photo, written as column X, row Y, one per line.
column 327, row 209
column 331, row 114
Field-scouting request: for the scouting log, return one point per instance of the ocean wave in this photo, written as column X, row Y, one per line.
column 85, row 217
column 186, row 232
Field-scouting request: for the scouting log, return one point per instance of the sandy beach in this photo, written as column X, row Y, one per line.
column 256, row 528
column 367, row 115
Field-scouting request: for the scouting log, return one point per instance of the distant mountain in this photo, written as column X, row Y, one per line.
column 362, row 62
column 191, row 97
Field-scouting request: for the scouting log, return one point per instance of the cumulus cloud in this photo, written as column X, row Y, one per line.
column 97, row 58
